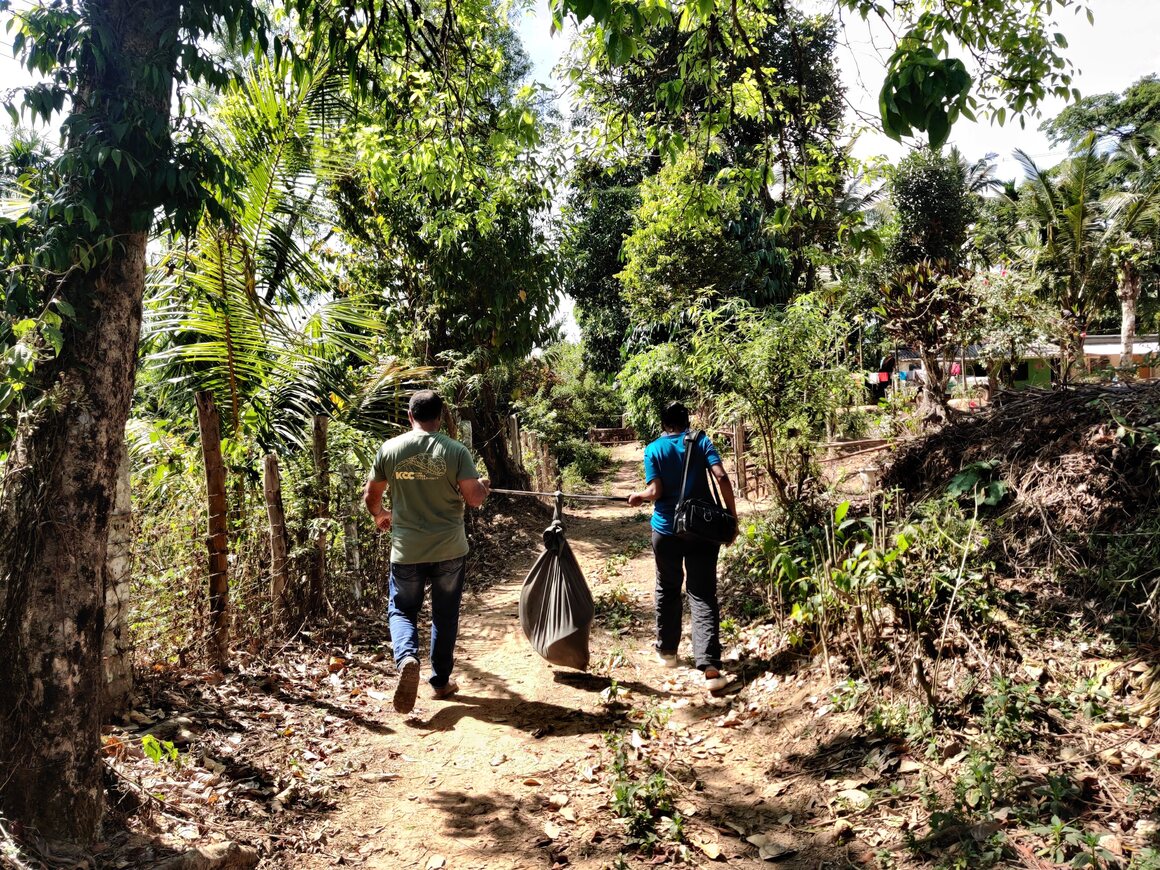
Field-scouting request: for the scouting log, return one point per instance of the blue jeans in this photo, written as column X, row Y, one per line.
column 694, row 565
column 408, row 583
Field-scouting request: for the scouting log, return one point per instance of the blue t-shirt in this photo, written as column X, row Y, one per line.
column 664, row 459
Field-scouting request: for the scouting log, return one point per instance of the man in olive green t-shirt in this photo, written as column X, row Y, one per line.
column 430, row 477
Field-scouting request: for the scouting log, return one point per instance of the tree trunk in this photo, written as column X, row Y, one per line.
column 1071, row 355
column 490, row 430
column 57, row 495
column 217, row 540
column 321, row 513
column 1129, row 293
column 279, row 566
column 118, row 653
column 59, row 481
column 932, row 398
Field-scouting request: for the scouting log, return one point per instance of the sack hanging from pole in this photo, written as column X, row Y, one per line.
column 556, row 607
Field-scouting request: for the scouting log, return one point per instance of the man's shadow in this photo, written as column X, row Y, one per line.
column 538, row 718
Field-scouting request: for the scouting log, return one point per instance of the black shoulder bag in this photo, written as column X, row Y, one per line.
column 700, row 519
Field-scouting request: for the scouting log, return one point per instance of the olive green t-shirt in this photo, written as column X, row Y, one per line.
column 422, row 471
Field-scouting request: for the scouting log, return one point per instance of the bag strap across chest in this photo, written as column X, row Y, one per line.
column 691, row 440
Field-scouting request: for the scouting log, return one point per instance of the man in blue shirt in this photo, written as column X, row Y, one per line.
column 681, row 561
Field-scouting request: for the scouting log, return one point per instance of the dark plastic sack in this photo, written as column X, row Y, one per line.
column 556, row 608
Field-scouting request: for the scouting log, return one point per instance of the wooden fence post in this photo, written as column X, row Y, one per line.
column 514, row 437
column 217, row 540
column 279, row 567
column 321, row 512
column 739, row 458
column 350, row 530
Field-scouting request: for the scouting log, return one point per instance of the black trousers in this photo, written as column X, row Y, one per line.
column 694, row 565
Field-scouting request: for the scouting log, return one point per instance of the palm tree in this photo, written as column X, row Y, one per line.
column 242, row 311
column 1134, row 213
column 1093, row 220
column 978, row 177
column 1066, row 238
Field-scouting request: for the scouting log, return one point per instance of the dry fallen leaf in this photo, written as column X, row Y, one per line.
column 435, row 862
column 552, row 830
column 857, row 798
column 773, row 851
column 712, row 850
column 568, row 813
column 112, row 746
column 558, row 800
column 336, row 664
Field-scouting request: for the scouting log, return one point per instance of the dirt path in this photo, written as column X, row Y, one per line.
column 516, row 771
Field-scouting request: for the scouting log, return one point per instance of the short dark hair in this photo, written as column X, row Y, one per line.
column 675, row 416
column 426, row 406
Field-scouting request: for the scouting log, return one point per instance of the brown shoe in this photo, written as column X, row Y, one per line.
column 408, row 686
column 442, row 693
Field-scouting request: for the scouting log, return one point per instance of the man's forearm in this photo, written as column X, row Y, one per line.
column 373, row 497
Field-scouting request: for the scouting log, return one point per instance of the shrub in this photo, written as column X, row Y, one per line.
column 780, row 371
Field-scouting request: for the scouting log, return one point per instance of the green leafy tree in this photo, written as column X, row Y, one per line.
column 598, row 218
column 684, row 251
column 1010, row 320
column 650, row 380
column 1015, row 47
column 556, row 396
column 453, row 231
column 1115, row 116
column 925, row 301
column 84, row 234
column 781, row 370
column 779, row 156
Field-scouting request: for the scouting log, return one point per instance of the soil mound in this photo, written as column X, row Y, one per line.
column 1076, row 461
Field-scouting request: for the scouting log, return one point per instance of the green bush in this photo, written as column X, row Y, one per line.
column 782, row 371
column 820, row 580
column 587, row 459
column 559, row 400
